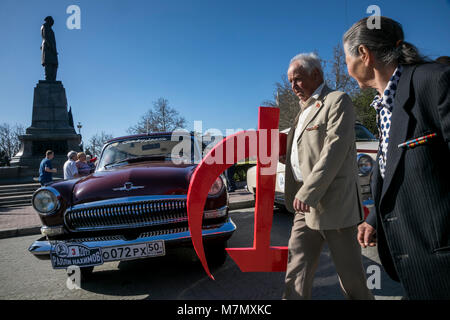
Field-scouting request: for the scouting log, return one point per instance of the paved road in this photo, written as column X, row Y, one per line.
column 176, row 276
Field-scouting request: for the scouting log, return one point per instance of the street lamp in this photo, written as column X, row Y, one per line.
column 79, row 126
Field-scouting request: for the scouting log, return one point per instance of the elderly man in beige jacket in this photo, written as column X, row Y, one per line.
column 322, row 184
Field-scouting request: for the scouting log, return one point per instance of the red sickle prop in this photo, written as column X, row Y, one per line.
column 261, row 257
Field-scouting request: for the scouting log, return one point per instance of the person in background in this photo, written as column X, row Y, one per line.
column 46, row 169
column 229, row 174
column 7, row 160
column 91, row 162
column 84, row 169
column 411, row 179
column 96, row 161
column 70, row 166
column 444, row 60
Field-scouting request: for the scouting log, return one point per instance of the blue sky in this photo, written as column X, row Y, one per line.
column 215, row 61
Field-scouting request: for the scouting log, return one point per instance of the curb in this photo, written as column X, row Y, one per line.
column 241, row 205
column 28, row 231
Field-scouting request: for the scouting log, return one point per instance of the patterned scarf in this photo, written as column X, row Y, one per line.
column 383, row 106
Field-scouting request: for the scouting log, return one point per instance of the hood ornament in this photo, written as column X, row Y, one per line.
column 127, row 187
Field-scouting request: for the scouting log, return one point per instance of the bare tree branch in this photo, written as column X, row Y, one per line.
column 338, row 77
column 9, row 138
column 161, row 118
column 97, row 141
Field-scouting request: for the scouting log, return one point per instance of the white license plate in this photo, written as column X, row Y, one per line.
column 149, row 249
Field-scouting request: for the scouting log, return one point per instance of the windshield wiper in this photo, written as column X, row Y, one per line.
column 137, row 159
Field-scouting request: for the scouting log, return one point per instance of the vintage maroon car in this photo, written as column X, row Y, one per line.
column 133, row 206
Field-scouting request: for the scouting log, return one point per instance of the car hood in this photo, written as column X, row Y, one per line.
column 156, row 178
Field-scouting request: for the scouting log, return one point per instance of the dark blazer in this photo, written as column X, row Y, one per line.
column 412, row 202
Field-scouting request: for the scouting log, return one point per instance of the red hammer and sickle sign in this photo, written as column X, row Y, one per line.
column 261, row 257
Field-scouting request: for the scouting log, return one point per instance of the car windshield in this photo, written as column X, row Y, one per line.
column 177, row 148
column 363, row 134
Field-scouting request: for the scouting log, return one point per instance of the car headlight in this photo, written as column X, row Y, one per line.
column 46, row 200
column 365, row 164
column 216, row 187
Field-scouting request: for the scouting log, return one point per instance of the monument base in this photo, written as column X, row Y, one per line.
column 16, row 175
column 49, row 130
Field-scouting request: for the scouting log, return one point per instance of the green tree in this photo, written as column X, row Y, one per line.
column 339, row 79
column 364, row 112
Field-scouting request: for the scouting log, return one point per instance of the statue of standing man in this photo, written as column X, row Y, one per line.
column 49, row 58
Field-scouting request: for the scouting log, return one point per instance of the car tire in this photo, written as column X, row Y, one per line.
column 216, row 254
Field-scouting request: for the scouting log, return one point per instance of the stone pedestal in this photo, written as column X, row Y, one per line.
column 50, row 129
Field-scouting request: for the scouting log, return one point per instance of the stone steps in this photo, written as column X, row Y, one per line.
column 16, row 190
column 20, row 186
column 12, row 200
column 17, row 195
column 15, row 203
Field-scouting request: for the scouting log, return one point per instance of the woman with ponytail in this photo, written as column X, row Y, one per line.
column 411, row 179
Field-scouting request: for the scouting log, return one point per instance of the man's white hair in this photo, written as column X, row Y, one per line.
column 71, row 154
column 309, row 62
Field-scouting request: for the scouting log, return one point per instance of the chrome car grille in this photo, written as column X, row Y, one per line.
column 132, row 212
column 163, row 232
column 147, row 234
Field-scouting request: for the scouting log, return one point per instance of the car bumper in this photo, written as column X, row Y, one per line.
column 41, row 248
